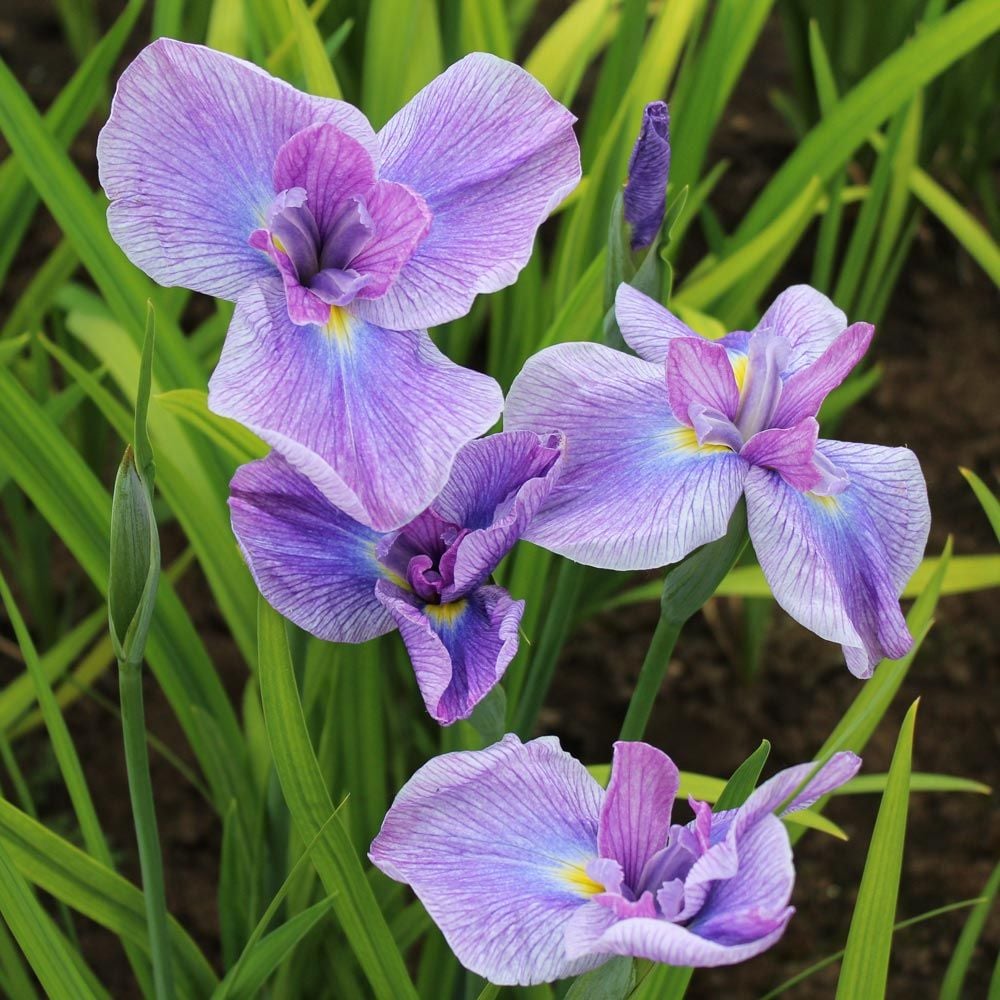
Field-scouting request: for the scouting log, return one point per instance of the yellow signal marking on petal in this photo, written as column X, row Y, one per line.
column 579, row 881
column 829, row 503
column 339, row 323
column 395, row 578
column 686, row 439
column 445, row 614
column 739, row 363
column 278, row 245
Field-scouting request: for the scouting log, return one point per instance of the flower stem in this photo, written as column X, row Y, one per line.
column 144, row 815
column 654, row 668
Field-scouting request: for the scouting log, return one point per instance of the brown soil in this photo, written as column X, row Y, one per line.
column 941, row 356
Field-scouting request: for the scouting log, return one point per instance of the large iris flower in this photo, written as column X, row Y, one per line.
column 339, row 245
column 660, row 447
column 343, row 581
column 533, row 872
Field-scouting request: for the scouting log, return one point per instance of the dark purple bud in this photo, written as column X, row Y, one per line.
column 648, row 169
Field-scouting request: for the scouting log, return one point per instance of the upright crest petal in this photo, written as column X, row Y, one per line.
column 186, row 159
column 635, row 817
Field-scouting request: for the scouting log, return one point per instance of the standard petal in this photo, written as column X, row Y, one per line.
column 635, row 817
column 459, row 650
column 492, row 154
column 329, row 165
column 788, row 451
column 496, row 487
column 699, row 372
column 838, row 564
column 373, row 417
column 494, row 843
column 809, row 321
column 753, row 904
column 402, row 219
column 635, row 490
column 186, row 158
column 803, row 781
column 646, row 325
column 803, row 393
column 661, row 941
column 311, row 561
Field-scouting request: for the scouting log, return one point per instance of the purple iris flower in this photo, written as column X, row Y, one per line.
column 645, row 198
column 660, row 447
column 534, row 872
column 339, row 246
column 345, row 582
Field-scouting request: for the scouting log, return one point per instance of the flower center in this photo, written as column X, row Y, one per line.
column 761, row 390
column 424, row 553
column 319, row 261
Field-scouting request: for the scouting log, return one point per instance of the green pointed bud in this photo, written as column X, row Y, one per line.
column 695, row 579
column 135, row 562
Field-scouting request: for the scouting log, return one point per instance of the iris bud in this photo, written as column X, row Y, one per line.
column 648, row 169
column 135, row 562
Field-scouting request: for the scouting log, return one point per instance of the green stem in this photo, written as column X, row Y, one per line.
column 654, row 668
column 144, row 814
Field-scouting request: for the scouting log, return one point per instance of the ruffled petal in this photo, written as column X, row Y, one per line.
column 661, row 941
column 753, row 904
column 329, row 165
column 635, row 817
column 809, row 321
column 186, row 158
column 807, row 783
column 699, row 372
column 459, row 650
column 838, row 564
column 789, row 451
column 310, row 560
column 635, row 490
column 496, row 486
column 492, row 154
column 646, row 325
column 373, row 417
column 803, row 393
column 402, row 219
column 494, row 843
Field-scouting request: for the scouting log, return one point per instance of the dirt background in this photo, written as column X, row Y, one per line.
column 941, row 355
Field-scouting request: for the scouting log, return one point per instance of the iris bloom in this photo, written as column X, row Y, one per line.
column 533, row 872
column 343, row 581
column 645, row 198
column 660, row 447
column 339, row 245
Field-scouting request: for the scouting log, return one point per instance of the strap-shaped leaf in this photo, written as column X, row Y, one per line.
column 309, row 802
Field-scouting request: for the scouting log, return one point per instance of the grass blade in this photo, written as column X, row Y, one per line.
column 986, row 497
column 837, row 956
column 309, row 802
column 67, row 494
column 828, row 147
column 958, row 967
column 866, row 957
column 40, row 942
column 90, row 888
